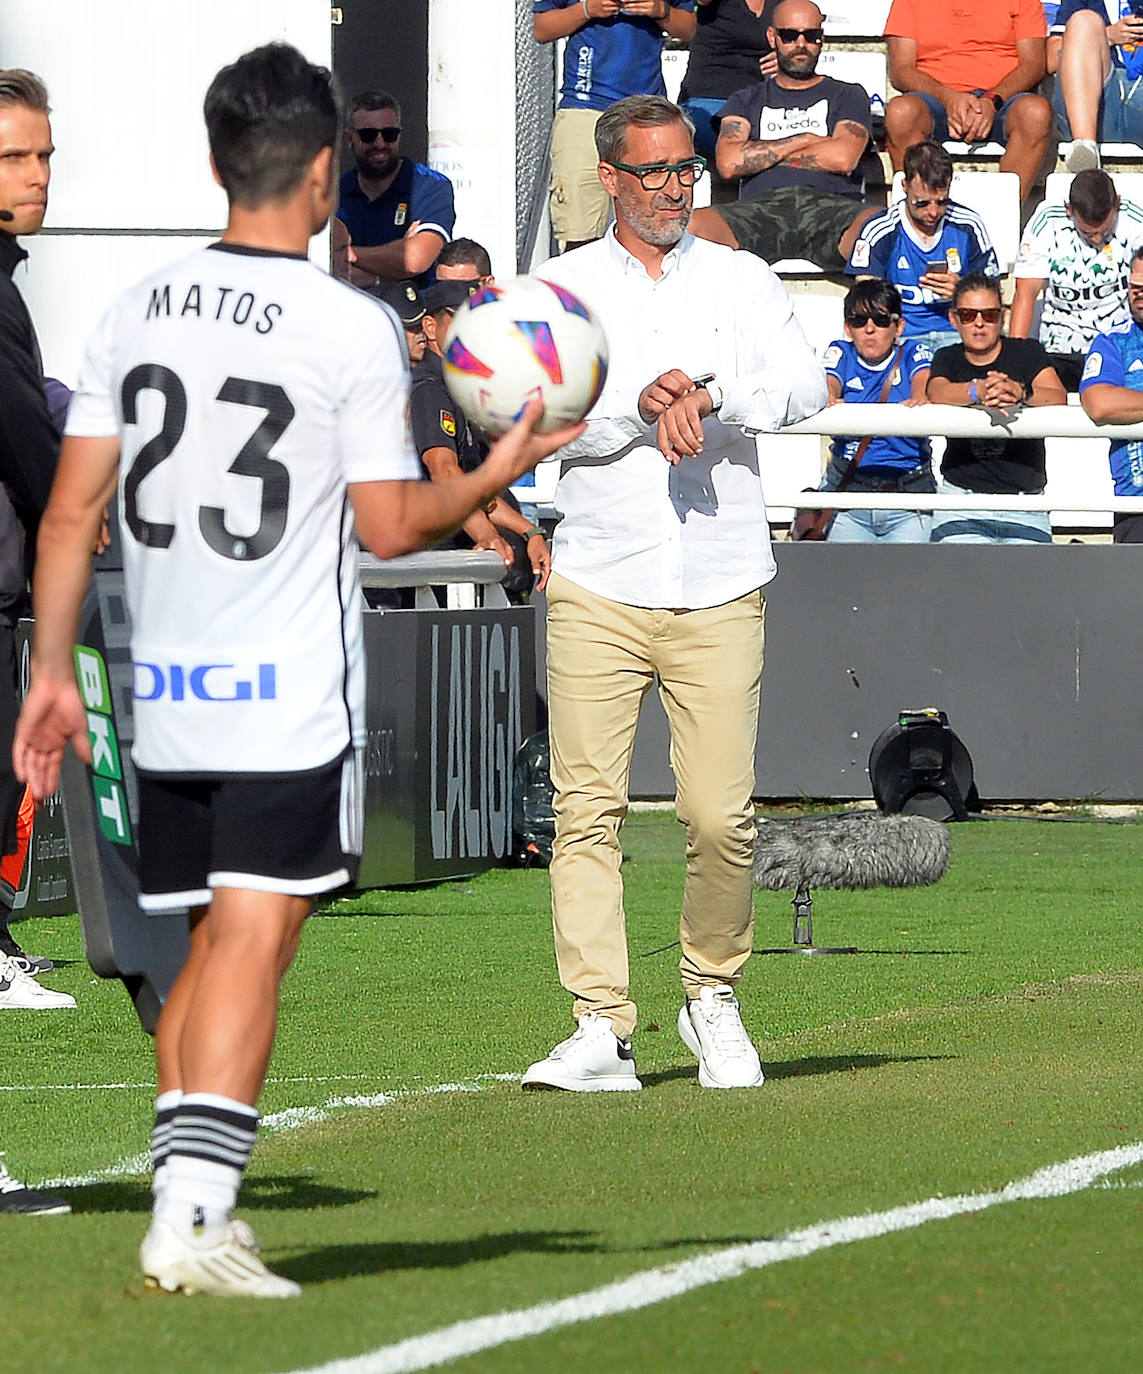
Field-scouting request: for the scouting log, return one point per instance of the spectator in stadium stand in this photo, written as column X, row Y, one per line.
column 794, row 142
column 658, row 569
column 1078, row 256
column 968, row 70
column 465, row 260
column 448, row 445
column 1001, row 375
column 399, row 212
column 1095, row 49
column 924, row 243
column 29, row 447
column 279, row 819
column 874, row 355
column 730, row 50
column 1111, row 392
column 614, row 49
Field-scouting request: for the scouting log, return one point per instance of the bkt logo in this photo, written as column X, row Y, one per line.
column 205, row 682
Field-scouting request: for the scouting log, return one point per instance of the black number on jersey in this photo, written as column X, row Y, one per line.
column 253, row 460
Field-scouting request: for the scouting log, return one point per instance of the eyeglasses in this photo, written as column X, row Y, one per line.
column 389, row 135
column 882, row 319
column 969, row 315
column 792, row 35
column 939, row 201
column 653, row 176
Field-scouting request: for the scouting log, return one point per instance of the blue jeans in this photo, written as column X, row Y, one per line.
column 988, row 526
column 940, row 132
column 879, row 527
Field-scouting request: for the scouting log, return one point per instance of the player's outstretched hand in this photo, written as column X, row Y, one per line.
column 52, row 715
column 522, row 447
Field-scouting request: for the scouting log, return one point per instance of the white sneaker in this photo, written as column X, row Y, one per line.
column 593, row 1060
column 230, row 1268
column 712, row 1029
column 1082, row 156
column 20, row 989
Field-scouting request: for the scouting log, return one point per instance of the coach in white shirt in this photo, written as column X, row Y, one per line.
column 660, row 560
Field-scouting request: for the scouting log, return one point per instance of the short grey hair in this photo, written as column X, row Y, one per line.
column 21, row 87
column 634, row 112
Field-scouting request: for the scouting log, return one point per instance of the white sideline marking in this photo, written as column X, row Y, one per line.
column 673, row 1280
column 288, row 1120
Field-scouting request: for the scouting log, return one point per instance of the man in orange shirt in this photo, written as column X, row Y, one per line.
column 968, row 70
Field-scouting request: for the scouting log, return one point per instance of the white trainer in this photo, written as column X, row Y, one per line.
column 711, row 1028
column 593, row 1060
column 1082, row 156
column 20, row 990
column 230, row 1268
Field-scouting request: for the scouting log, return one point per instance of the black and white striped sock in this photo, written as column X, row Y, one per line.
column 210, row 1142
column 166, row 1105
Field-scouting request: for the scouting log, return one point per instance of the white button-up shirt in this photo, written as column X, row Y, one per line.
column 634, row 528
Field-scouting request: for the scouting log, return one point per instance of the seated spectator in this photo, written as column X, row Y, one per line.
column 465, row 260
column 1094, row 50
column 403, row 298
column 1112, row 393
column 448, row 445
column 794, row 141
column 1078, row 255
column 614, row 49
column 1002, row 375
column 967, row 70
column 399, row 213
column 875, row 364
column 924, row 243
column 730, row 50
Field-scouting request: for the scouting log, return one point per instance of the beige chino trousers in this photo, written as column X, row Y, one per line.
column 602, row 659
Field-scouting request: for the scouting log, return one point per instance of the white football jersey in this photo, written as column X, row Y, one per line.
column 247, row 389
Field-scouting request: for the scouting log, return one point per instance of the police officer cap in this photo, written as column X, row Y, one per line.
column 403, row 298
column 446, row 295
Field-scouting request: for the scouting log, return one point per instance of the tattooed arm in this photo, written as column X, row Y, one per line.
column 739, row 155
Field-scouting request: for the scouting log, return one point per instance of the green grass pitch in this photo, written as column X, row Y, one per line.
column 989, row 1028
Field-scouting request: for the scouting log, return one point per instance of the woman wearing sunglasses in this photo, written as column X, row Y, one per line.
column 1001, row 374
column 875, row 365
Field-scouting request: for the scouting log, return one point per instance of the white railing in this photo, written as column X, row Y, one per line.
column 460, row 570
column 959, row 422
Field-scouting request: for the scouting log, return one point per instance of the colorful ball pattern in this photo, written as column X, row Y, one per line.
column 525, row 338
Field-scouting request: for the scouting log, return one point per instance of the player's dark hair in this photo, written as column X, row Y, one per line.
column 466, row 250
column 976, row 281
column 268, row 115
column 930, row 162
column 1092, row 195
column 21, row 87
column 375, row 100
column 634, row 112
column 872, row 294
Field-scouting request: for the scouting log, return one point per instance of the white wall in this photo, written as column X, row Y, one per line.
column 131, row 186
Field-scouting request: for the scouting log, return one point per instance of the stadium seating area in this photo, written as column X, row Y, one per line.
column 855, row 51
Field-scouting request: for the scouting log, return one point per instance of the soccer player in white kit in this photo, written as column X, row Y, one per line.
column 254, row 413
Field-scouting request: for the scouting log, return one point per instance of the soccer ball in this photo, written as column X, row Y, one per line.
column 523, row 339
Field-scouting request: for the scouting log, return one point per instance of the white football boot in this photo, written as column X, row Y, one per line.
column 19, row 990
column 230, row 1268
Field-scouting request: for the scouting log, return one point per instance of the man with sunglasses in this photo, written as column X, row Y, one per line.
column 613, row 48
column 399, row 213
column 968, row 70
column 794, row 142
column 1002, row 375
column 1111, row 391
column 659, row 564
column 924, row 243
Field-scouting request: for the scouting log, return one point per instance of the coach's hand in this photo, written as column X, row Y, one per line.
column 52, row 715
column 680, row 425
column 656, row 396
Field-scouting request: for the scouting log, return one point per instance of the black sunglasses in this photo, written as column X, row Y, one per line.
column 792, row 35
column 970, row 314
column 879, row 317
column 389, row 135
column 939, row 201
